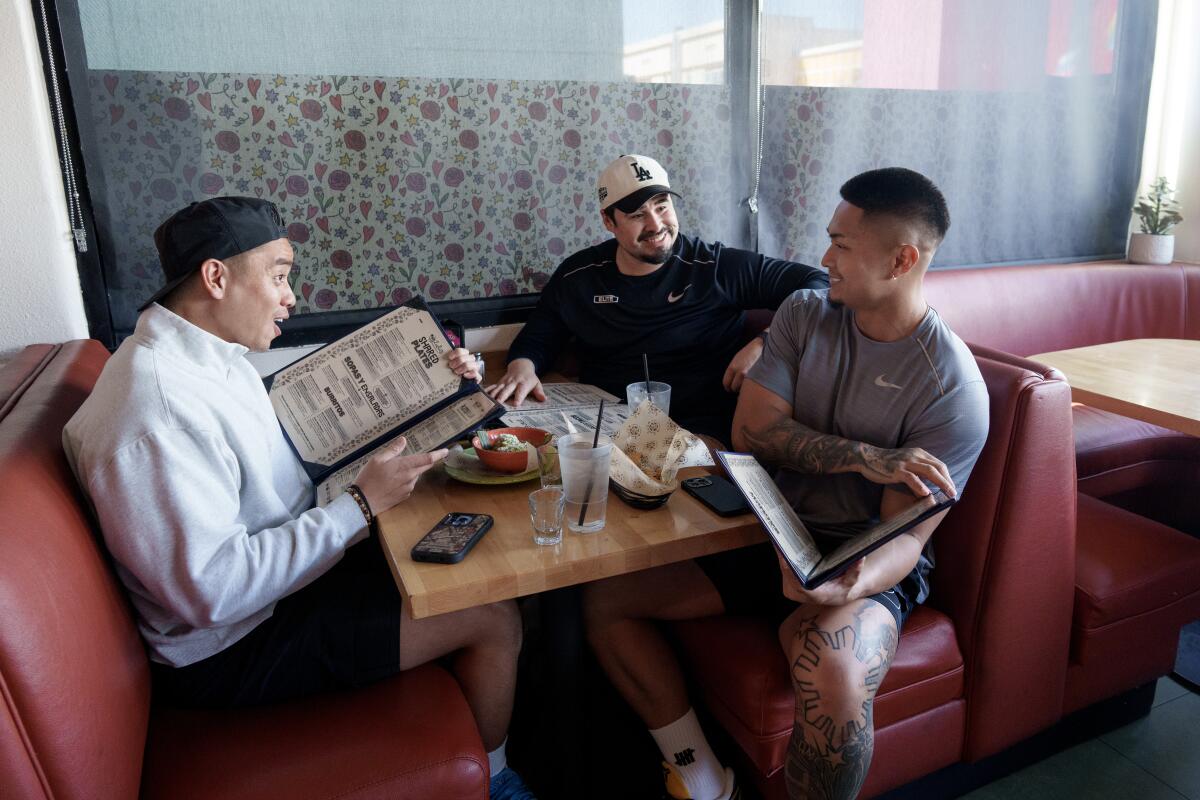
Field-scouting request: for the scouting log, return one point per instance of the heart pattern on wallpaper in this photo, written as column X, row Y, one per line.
column 391, row 187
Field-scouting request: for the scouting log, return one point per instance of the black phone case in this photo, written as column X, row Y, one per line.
column 717, row 493
column 452, row 538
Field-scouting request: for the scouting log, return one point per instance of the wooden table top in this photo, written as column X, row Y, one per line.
column 507, row 564
column 1154, row 380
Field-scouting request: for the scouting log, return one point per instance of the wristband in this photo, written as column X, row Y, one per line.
column 361, row 499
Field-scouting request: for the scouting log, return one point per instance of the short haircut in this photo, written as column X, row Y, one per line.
column 903, row 194
column 238, row 261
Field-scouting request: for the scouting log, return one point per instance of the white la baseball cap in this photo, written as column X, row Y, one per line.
column 630, row 181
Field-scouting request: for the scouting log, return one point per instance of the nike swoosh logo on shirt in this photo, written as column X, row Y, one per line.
column 882, row 382
column 675, row 298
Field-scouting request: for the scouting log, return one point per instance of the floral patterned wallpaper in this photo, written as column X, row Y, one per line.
column 1027, row 175
column 462, row 188
column 394, row 186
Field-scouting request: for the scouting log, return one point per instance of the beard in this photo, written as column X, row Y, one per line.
column 660, row 256
column 661, row 253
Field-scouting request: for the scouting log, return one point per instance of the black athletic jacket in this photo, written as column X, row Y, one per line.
column 687, row 317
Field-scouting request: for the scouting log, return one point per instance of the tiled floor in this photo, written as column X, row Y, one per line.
column 1156, row 757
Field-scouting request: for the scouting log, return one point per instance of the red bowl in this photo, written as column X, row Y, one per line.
column 511, row 463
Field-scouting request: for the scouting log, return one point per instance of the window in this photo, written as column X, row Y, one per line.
column 911, row 44
column 452, row 150
column 448, row 150
column 1028, row 115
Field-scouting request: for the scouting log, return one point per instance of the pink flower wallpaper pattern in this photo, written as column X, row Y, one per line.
column 1014, row 192
column 395, row 186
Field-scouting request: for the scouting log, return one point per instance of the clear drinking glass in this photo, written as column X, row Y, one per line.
column 548, row 467
column 585, row 480
column 546, row 514
column 660, row 395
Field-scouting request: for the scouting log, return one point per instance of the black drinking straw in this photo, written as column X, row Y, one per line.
column 591, row 478
column 646, row 371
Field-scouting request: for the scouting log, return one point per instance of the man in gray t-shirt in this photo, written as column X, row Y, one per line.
column 923, row 390
column 863, row 401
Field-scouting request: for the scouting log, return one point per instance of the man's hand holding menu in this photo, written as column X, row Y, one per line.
column 340, row 406
column 833, row 592
column 796, row 546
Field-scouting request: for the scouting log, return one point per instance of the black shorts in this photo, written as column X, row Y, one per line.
column 340, row 631
column 748, row 581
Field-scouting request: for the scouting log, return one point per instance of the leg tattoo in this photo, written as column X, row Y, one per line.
column 836, row 675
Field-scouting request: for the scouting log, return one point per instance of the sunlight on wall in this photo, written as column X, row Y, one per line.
column 40, row 300
column 1172, row 146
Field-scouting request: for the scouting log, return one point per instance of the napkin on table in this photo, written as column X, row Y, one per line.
column 650, row 449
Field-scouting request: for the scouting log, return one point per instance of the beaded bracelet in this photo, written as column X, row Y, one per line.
column 361, row 499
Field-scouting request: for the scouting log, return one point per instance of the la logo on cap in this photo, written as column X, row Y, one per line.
column 640, row 173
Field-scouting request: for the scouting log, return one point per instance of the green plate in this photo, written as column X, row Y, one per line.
column 470, row 470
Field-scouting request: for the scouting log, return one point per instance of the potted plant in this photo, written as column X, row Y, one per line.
column 1159, row 213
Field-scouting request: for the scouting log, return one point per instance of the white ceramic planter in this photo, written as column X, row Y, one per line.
column 1149, row 248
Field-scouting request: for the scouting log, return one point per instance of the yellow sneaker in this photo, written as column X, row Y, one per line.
column 674, row 784
column 677, row 791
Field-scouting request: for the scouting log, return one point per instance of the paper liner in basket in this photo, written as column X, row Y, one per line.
column 651, row 449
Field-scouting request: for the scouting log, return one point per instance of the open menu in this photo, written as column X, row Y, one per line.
column 565, row 396
column 568, row 406
column 569, row 420
column 340, row 404
column 793, row 539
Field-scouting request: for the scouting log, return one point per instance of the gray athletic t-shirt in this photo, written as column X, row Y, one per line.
column 922, row 391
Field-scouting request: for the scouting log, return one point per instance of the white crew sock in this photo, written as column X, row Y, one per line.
column 498, row 759
column 684, row 747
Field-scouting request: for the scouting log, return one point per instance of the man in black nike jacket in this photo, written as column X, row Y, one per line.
column 679, row 300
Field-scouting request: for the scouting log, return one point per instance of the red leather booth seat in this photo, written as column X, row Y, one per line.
column 1026, row 310
column 982, row 665
column 1137, row 583
column 76, row 716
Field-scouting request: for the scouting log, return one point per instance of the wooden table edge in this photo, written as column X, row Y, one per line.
column 607, row 565
column 1105, row 402
column 1126, row 408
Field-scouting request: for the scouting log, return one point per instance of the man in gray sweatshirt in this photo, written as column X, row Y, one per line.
column 245, row 592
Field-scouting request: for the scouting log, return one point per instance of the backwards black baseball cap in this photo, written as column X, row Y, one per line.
column 218, row 228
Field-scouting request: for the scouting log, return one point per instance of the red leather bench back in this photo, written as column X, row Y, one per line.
column 1038, row 309
column 74, row 678
column 1006, row 557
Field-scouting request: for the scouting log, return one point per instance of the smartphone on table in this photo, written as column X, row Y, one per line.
column 718, row 493
column 452, row 538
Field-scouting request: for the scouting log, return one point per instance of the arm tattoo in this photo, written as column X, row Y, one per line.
column 787, row 443
column 833, row 737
